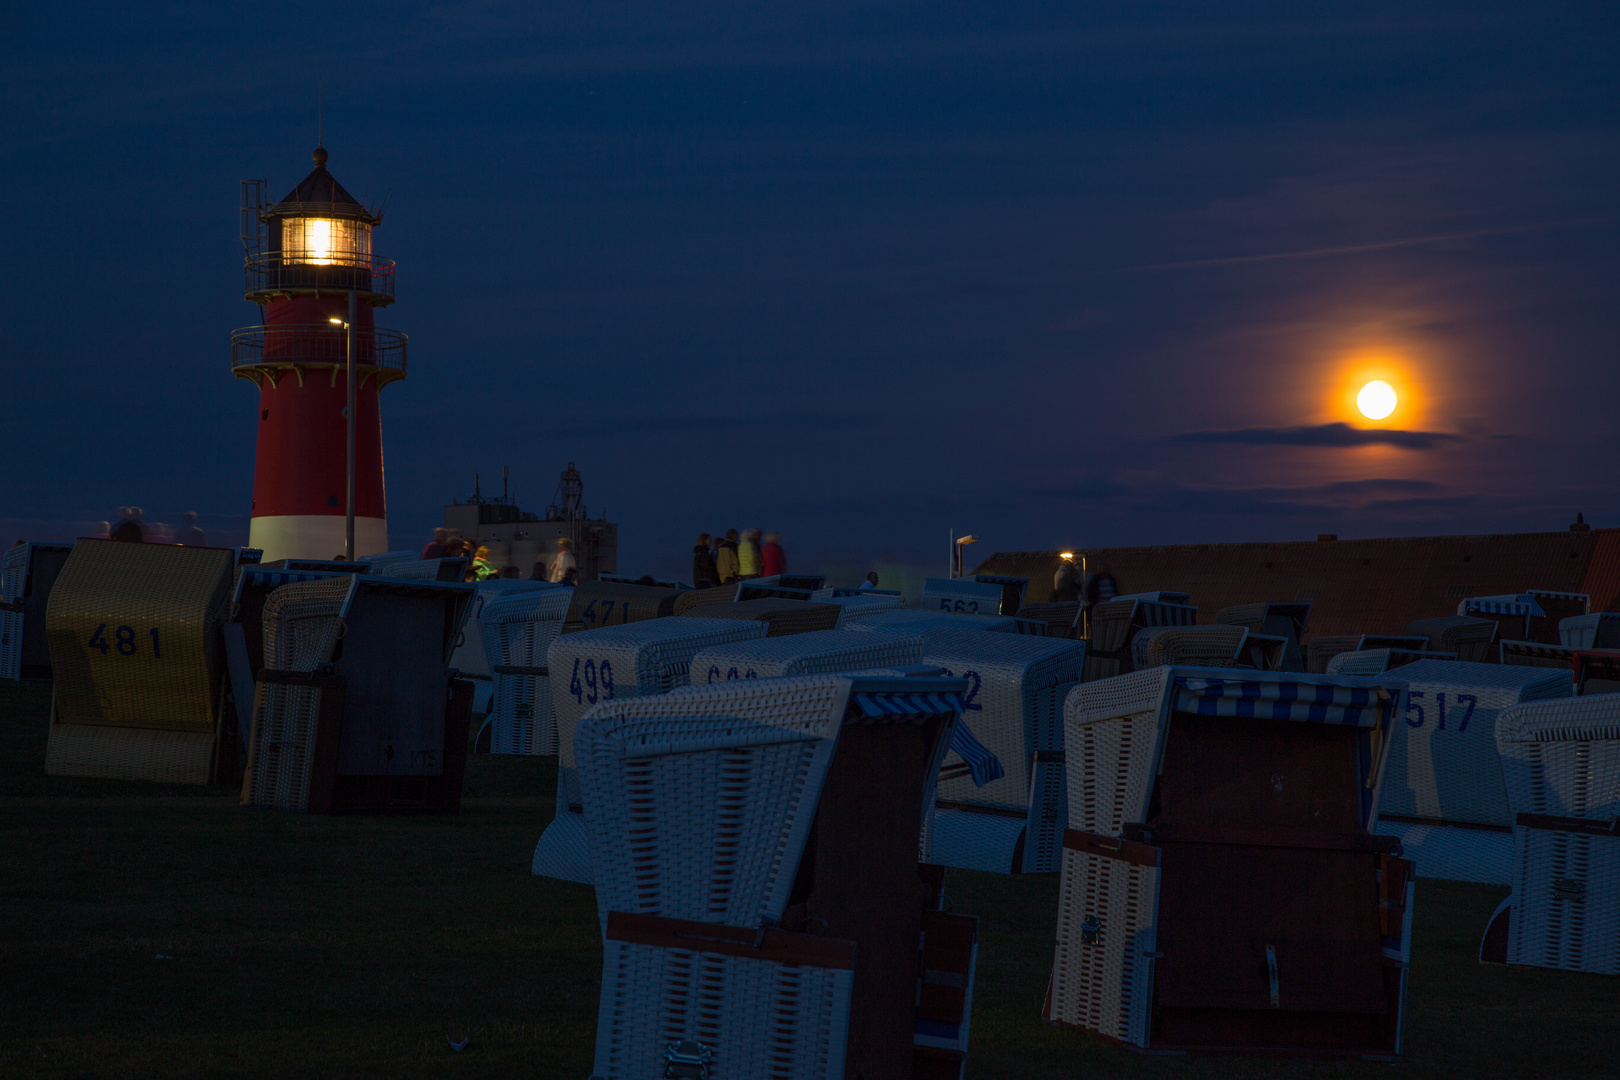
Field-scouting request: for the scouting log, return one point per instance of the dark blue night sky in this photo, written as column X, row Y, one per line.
column 1072, row 274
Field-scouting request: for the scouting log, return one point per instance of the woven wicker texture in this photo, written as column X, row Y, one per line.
column 921, row 622
column 650, row 657
column 692, row 598
column 704, row 818
column 760, row 1019
column 28, row 572
column 450, row 569
column 1562, row 758
column 1454, row 852
column 1597, row 631
column 1062, row 618
column 134, row 633
column 301, row 632
column 1468, row 637
column 861, row 607
column 961, row 596
column 1442, row 763
column 1194, row 646
column 1116, row 622
column 779, row 616
column 516, row 630
column 1105, row 986
column 470, row 657
column 815, row 653
column 1324, row 647
column 1536, row 654
column 608, row 603
column 381, row 562
column 122, row 753
column 1108, row 939
column 13, row 572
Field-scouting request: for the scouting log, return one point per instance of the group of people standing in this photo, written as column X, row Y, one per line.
column 448, row 544
column 735, row 558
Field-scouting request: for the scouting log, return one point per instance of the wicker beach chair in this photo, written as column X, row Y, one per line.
column 1062, row 619
column 816, row 653
column 1513, row 613
column 828, row 592
column 379, row 726
column 1220, row 889
column 1014, row 705
column 694, row 598
column 1287, row 621
column 962, row 596
column 451, row 569
column 907, row 621
column 1114, row 623
column 1537, row 654
column 606, row 603
column 28, row 572
column 243, row 638
column 470, row 658
column 1600, row 630
column 638, row 659
column 1558, row 606
column 727, row 820
column 780, row 616
column 1597, row 671
column 1470, row 638
column 1368, row 662
column 1324, row 647
column 1190, row 646
column 1443, row 795
column 134, row 632
column 630, row 579
column 380, row 562
column 858, row 606
column 516, row 629
column 1561, row 765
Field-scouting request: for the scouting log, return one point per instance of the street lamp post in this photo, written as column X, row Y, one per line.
column 348, row 413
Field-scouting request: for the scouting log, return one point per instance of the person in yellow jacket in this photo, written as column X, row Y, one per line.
column 748, row 555
column 725, row 558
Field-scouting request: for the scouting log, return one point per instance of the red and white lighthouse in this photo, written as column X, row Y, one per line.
column 310, row 269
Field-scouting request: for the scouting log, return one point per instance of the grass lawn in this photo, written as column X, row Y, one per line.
column 152, row 931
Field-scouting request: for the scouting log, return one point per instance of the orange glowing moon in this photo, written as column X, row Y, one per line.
column 1376, row 400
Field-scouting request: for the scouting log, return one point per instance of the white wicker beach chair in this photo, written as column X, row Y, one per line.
column 27, row 572
column 816, row 653
column 1220, row 890
column 1190, row 646
column 1014, row 705
column 1115, row 623
column 1443, row 794
column 634, row 659
column 1600, row 630
column 906, row 621
column 1537, row 654
column 515, row 628
column 962, row 596
column 1561, row 764
column 859, row 606
column 382, row 561
column 1287, row 621
column 1470, row 638
column 450, row 569
column 701, row 806
column 1377, row 661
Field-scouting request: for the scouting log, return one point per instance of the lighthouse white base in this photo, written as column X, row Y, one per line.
column 315, row 536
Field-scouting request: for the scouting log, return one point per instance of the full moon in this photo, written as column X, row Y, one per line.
column 1376, row 400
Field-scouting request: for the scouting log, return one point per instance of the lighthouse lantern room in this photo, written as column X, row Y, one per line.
column 310, row 269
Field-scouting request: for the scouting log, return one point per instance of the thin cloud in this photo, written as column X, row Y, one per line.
column 1356, row 249
column 1328, row 435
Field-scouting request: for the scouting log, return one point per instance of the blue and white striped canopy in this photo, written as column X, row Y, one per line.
column 1506, row 604
column 1316, row 703
column 982, row 765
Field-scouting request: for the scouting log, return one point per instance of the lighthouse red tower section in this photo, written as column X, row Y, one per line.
column 309, row 265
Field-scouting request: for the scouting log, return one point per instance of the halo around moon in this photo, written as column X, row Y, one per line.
column 1376, row 400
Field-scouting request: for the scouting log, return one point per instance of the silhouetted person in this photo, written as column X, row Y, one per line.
column 748, row 554
column 725, row 558
column 1066, row 582
column 190, row 534
column 511, row 572
column 772, row 559
column 705, row 575
column 871, row 581
column 570, row 576
column 564, row 561
column 129, row 526
column 434, row 549
column 1101, row 587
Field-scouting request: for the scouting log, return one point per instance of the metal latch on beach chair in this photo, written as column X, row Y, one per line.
column 687, row 1060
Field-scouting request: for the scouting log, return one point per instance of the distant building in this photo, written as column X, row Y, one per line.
column 518, row 538
column 1354, row 586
